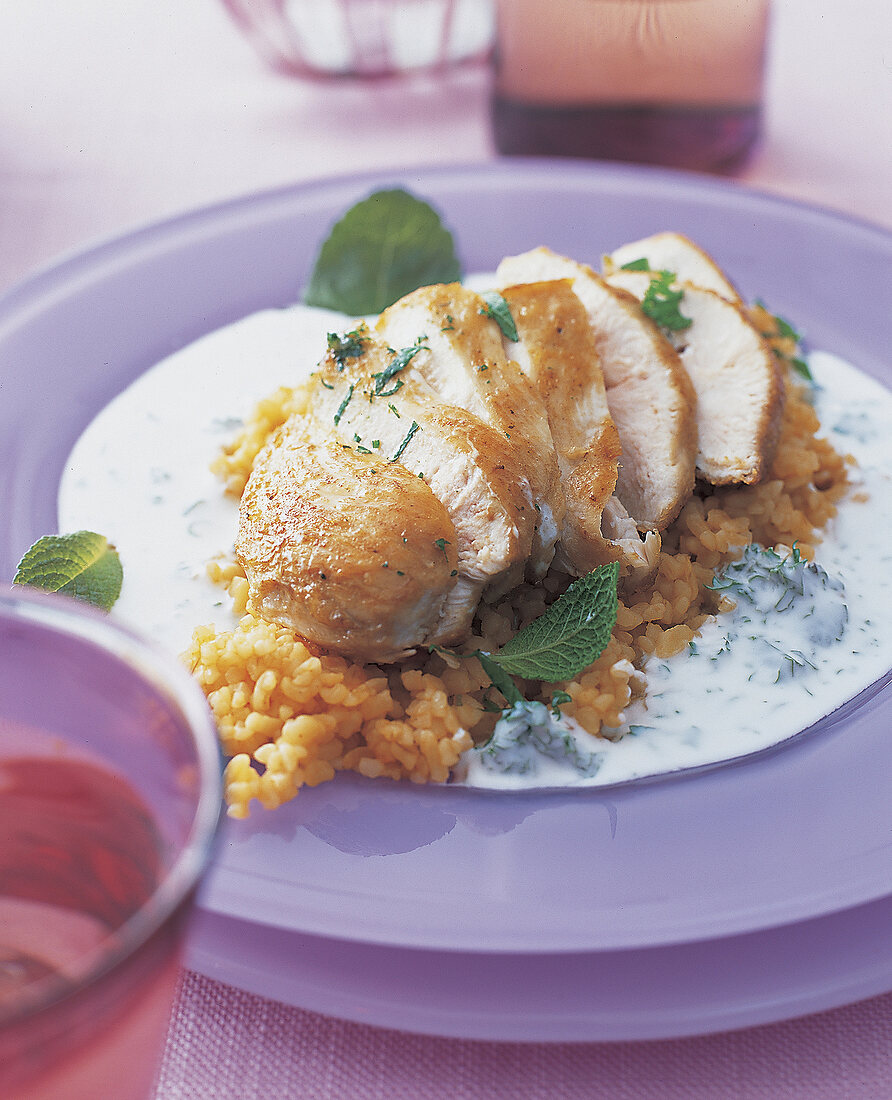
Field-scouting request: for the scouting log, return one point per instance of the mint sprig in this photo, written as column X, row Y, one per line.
column 82, row 564
column 384, row 247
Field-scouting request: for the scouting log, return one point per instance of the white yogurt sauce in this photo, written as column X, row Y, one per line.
column 140, row 475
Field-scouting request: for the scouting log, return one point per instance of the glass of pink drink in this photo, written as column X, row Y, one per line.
column 109, row 802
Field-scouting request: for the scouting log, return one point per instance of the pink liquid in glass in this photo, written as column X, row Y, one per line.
column 105, row 826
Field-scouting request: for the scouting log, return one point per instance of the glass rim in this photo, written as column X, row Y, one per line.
column 169, row 678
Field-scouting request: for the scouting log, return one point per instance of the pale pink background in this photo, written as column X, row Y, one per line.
column 118, row 112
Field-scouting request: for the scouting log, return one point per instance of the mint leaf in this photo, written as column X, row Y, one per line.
column 498, row 309
column 661, row 302
column 569, row 637
column 383, row 247
column 83, row 564
column 640, row 264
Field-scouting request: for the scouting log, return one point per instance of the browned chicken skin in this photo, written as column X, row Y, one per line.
column 440, row 460
column 356, row 555
column 649, row 394
column 556, row 349
column 464, row 363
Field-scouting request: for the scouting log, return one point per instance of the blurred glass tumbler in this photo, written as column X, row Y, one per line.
column 365, row 38
column 109, row 801
column 672, row 82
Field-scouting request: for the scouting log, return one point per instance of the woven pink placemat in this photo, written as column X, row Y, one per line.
column 224, row 1044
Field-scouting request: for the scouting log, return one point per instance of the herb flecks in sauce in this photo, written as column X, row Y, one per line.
column 790, row 607
column 528, row 732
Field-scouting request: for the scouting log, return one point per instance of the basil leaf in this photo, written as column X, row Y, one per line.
column 500, row 312
column 383, row 248
column 83, row 564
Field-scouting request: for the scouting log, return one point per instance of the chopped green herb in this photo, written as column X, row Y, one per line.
column 400, row 361
column 349, row 346
column 498, row 309
column 342, row 408
column 802, row 368
column 405, row 443
column 786, row 330
column 558, row 698
column 661, row 303
column 640, row 264
column 82, row 564
column 381, row 249
column 395, row 411
column 441, row 545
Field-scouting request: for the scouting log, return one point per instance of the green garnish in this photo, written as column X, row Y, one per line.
column 570, row 635
column 405, row 443
column 82, row 564
column 558, row 698
column 441, row 545
column 772, row 583
column 786, row 330
column 343, row 405
column 349, row 346
column 498, row 309
column 400, row 361
column 563, row 641
column 641, row 264
column 525, row 734
column 661, row 302
column 384, row 247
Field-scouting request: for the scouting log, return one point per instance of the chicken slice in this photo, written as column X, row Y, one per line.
column 354, row 554
column 740, row 391
column 676, row 253
column 462, row 360
column 377, row 402
column 649, row 394
column 556, row 350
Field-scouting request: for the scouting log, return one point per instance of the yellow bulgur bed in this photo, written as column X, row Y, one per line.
column 289, row 717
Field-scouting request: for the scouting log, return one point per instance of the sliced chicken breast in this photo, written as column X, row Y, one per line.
column 354, row 554
column 649, row 395
column 740, row 391
column 556, row 350
column 462, row 360
column 676, row 253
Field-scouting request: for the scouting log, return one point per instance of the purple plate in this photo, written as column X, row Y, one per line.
column 792, row 834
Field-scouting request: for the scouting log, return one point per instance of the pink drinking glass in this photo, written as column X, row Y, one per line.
column 109, row 802
column 365, row 38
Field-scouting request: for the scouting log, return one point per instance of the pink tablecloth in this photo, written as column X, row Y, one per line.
column 113, row 114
